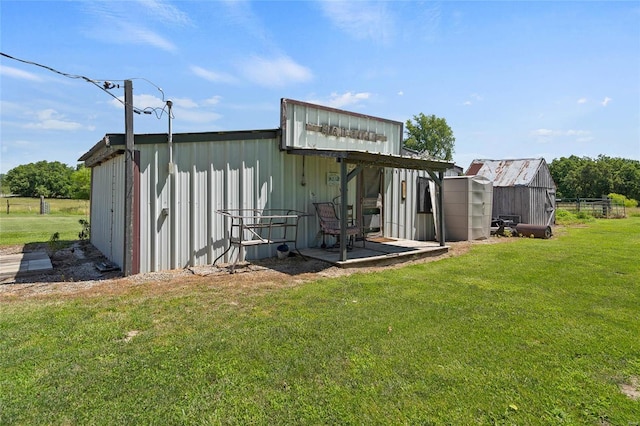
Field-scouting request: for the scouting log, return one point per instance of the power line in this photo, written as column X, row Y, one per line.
column 105, row 86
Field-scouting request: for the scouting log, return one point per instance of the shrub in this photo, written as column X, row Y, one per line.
column 622, row 200
column 565, row 217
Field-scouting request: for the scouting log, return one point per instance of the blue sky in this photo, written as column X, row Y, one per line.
column 512, row 79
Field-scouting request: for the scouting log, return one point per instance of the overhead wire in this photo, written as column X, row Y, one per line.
column 107, row 84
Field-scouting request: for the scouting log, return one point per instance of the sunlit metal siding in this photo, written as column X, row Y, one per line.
column 401, row 217
column 107, row 209
column 215, row 175
column 210, row 173
column 154, row 197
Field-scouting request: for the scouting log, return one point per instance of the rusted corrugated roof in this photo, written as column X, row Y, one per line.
column 507, row 172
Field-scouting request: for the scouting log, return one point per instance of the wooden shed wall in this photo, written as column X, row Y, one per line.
column 530, row 202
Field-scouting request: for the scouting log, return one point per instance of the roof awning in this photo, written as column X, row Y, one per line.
column 376, row 159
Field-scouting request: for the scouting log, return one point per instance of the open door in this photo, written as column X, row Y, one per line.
column 370, row 206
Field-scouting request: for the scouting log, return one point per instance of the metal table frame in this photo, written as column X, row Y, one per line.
column 251, row 227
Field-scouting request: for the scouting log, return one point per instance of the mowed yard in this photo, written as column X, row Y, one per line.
column 525, row 332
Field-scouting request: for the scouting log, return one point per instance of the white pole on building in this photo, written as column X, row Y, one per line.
column 170, row 136
column 173, row 210
column 128, row 179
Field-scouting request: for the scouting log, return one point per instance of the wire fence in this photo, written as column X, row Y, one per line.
column 596, row 207
column 44, row 206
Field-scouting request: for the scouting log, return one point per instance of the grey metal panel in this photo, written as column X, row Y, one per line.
column 467, row 207
column 210, row 176
column 401, row 219
column 107, row 212
column 521, row 187
column 217, row 175
column 509, row 172
column 154, row 206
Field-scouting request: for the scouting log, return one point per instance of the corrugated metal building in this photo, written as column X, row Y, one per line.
column 318, row 154
column 523, row 189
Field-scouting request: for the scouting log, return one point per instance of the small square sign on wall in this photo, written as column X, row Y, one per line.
column 333, row 178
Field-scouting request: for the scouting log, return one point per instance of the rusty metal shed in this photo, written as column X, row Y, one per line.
column 523, row 189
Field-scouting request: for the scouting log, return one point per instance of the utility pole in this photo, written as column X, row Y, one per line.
column 129, row 168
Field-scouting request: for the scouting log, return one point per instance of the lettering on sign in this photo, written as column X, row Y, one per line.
column 341, row 132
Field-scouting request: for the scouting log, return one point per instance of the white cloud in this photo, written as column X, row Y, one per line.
column 146, row 36
column 184, row 109
column 131, row 22
column 276, row 72
column 20, row 74
column 582, row 100
column 195, row 115
column 212, row 75
column 337, row 100
column 400, row 93
column 184, row 103
column 543, row 132
column 50, row 119
column 362, row 20
column 214, row 100
column 546, row 135
column 606, row 101
column 474, row 97
column 165, row 12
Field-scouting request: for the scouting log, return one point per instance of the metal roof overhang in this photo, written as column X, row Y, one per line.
column 375, row 159
column 360, row 158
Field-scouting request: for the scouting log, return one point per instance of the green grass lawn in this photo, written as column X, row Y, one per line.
column 23, row 229
column 24, row 224
column 529, row 332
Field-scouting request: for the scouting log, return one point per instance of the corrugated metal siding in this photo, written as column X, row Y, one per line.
column 210, row 176
column 520, row 188
column 299, row 114
column 107, row 209
column 507, row 172
column 400, row 217
column 538, row 206
column 183, row 229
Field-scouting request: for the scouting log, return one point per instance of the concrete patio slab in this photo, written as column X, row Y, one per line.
column 386, row 252
column 20, row 264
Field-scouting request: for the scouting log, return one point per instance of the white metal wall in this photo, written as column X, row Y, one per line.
column 179, row 226
column 210, row 176
column 298, row 115
column 401, row 217
column 107, row 209
column 467, row 207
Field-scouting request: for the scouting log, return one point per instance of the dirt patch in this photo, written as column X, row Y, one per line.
column 631, row 389
column 75, row 274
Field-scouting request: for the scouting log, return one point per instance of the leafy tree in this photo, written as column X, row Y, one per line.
column 585, row 177
column 81, row 183
column 431, row 135
column 4, row 185
column 51, row 179
column 560, row 168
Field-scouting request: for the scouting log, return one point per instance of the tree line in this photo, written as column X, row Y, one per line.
column 584, row 177
column 49, row 179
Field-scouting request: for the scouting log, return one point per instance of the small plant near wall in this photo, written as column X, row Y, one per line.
column 54, row 242
column 86, row 230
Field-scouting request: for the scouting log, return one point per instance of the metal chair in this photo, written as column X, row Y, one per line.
column 330, row 223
